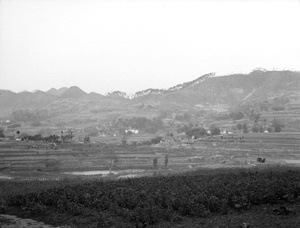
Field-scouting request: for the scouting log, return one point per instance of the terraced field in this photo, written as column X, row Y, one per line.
column 42, row 160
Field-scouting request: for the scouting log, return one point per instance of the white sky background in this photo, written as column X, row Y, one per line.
column 103, row 46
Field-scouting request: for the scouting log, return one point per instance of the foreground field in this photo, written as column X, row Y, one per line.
column 203, row 198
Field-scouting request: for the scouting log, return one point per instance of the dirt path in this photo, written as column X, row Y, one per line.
column 11, row 221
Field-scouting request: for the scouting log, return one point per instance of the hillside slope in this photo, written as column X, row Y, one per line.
column 208, row 89
column 231, row 89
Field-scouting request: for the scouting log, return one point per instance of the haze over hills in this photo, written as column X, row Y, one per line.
column 209, row 89
column 258, row 85
column 73, row 92
column 57, row 92
column 205, row 90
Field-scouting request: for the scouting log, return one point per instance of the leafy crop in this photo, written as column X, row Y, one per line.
column 148, row 201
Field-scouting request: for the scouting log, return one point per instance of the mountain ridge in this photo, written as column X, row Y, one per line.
column 174, row 88
column 206, row 89
column 57, row 92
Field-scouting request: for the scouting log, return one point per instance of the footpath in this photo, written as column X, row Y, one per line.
column 12, row 221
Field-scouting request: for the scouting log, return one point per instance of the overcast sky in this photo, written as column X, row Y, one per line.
column 129, row 46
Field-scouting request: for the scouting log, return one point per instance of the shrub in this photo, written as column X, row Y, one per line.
column 215, row 130
column 245, row 128
column 236, row 115
column 1, row 133
column 124, row 141
column 277, row 128
column 156, row 140
column 196, row 132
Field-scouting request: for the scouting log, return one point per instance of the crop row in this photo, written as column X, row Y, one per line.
column 147, row 201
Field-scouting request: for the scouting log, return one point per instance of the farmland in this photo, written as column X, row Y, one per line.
column 203, row 198
column 211, row 181
column 37, row 159
column 51, row 161
column 212, row 177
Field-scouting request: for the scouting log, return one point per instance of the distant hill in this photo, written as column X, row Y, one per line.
column 26, row 99
column 208, row 89
column 35, row 100
column 57, row 92
column 94, row 96
column 174, row 88
column 231, row 89
column 73, row 92
column 7, row 98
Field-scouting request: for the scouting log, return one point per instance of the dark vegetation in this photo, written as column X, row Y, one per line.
column 140, row 123
column 196, row 132
column 185, row 117
column 67, row 137
column 236, row 115
column 149, row 201
column 2, row 132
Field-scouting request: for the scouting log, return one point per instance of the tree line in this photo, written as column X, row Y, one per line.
column 140, row 123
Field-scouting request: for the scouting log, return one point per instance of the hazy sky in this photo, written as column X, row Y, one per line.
column 132, row 45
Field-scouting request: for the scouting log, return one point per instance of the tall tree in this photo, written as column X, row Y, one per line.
column 2, row 132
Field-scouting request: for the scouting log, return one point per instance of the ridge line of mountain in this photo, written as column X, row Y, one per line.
column 203, row 89
column 64, row 92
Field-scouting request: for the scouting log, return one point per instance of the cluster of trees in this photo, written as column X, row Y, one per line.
column 254, row 116
column 39, row 137
column 276, row 126
column 2, row 132
column 258, row 129
column 155, row 140
column 140, row 123
column 196, row 132
column 143, row 106
column 49, row 139
column 277, row 104
column 239, row 114
column 243, row 127
column 236, row 115
column 182, row 128
column 155, row 161
column 91, row 131
column 215, row 130
column 26, row 115
column 184, row 117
